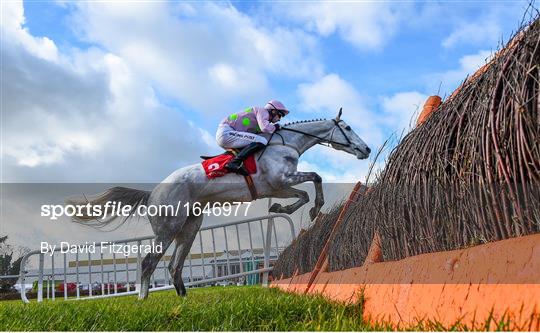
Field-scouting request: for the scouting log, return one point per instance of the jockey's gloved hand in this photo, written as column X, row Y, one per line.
column 277, row 127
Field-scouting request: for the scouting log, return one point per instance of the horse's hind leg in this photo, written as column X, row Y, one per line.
column 184, row 239
column 177, row 280
column 150, row 262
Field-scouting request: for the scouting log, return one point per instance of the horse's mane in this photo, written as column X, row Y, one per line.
column 304, row 121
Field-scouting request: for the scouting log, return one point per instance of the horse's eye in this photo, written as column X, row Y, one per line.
column 348, row 128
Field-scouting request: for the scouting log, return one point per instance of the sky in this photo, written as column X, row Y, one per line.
column 129, row 91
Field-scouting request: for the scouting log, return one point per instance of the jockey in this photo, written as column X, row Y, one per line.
column 240, row 130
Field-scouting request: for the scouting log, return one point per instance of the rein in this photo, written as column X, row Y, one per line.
column 325, row 140
column 321, row 140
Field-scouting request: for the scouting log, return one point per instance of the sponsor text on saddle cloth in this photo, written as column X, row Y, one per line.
column 215, row 167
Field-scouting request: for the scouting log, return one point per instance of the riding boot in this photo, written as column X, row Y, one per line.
column 236, row 165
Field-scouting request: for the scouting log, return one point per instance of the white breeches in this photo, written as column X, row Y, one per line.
column 227, row 137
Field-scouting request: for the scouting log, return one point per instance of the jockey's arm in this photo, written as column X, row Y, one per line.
column 263, row 119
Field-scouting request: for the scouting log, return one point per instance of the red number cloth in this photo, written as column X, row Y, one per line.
column 215, row 167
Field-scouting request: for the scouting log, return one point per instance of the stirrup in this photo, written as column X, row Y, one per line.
column 241, row 169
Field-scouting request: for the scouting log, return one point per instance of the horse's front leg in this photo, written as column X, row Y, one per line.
column 287, row 193
column 295, row 178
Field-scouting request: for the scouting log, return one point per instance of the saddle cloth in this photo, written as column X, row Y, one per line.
column 214, row 167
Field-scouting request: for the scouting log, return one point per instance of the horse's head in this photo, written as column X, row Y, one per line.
column 344, row 138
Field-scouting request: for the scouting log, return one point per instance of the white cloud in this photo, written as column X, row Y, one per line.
column 338, row 166
column 394, row 114
column 474, row 33
column 81, row 116
column 324, row 97
column 334, row 175
column 225, row 75
column 193, row 51
column 331, row 92
column 402, row 109
column 366, row 25
column 328, row 93
column 11, row 24
column 471, row 63
column 41, row 126
column 468, row 65
column 485, row 26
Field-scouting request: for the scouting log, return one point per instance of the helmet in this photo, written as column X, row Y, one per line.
column 276, row 105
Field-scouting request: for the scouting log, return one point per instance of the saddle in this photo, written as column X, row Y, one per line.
column 232, row 151
column 214, row 167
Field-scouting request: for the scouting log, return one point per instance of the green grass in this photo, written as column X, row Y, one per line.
column 208, row 309
column 217, row 308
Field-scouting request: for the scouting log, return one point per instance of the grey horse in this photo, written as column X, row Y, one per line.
column 276, row 175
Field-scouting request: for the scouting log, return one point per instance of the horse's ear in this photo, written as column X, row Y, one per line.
column 339, row 114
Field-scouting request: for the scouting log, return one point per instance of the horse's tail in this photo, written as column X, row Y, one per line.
column 100, row 210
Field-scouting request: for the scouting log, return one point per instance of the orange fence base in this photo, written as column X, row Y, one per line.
column 499, row 280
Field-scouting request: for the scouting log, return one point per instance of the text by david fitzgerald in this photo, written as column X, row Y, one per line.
column 101, row 248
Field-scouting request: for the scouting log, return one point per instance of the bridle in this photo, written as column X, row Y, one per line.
column 325, row 140
column 321, row 139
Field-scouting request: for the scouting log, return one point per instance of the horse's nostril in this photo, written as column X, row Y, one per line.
column 368, row 150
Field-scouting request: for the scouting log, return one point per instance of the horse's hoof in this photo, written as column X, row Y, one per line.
column 313, row 212
column 275, row 208
column 180, row 291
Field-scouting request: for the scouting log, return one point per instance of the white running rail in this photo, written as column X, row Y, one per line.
column 212, row 259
